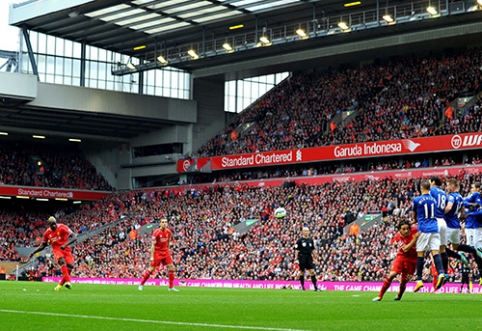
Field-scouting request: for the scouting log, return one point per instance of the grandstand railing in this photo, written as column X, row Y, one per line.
column 320, row 27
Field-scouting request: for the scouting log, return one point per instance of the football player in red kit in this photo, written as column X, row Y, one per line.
column 57, row 235
column 160, row 254
column 406, row 261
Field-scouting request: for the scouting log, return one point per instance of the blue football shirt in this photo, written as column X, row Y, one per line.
column 425, row 206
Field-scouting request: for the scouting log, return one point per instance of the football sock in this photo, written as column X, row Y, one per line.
column 65, row 272
column 452, row 254
column 434, row 272
column 146, row 276
column 403, row 286
column 435, row 276
column 479, row 263
column 313, row 280
column 445, row 261
column 302, row 281
column 385, row 286
column 466, row 249
column 171, row 278
column 438, row 264
column 419, row 268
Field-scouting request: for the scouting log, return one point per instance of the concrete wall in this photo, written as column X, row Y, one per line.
column 211, row 118
column 106, row 158
column 169, row 134
column 9, row 266
column 16, row 86
column 114, row 160
column 114, row 103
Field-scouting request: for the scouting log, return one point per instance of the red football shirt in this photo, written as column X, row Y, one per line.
column 401, row 241
column 161, row 238
column 57, row 237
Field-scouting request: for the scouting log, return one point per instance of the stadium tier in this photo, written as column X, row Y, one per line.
column 205, row 245
column 403, row 98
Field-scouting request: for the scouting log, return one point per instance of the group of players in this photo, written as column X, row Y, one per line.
column 435, row 223
column 437, row 215
column 60, row 237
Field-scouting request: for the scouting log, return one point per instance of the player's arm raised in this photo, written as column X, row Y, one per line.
column 38, row 249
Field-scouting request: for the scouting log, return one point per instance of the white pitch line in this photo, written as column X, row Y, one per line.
column 148, row 321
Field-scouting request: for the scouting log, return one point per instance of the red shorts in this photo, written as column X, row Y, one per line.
column 65, row 253
column 163, row 259
column 405, row 266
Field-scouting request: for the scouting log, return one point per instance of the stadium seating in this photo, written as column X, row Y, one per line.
column 44, row 165
column 401, row 99
column 205, row 247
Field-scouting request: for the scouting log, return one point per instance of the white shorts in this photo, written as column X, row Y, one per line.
column 478, row 237
column 428, row 242
column 453, row 236
column 470, row 235
column 442, row 230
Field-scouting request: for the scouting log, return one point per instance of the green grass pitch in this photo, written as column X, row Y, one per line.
column 36, row 306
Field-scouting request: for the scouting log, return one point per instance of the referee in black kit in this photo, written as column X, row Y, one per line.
column 465, row 273
column 304, row 249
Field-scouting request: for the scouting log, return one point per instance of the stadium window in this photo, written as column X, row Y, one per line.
column 50, row 65
column 77, row 50
column 49, row 79
column 42, row 43
column 102, row 69
column 76, row 68
column 68, row 68
column 59, row 70
column 58, row 79
column 238, row 95
column 68, row 48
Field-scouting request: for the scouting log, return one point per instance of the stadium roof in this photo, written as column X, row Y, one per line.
column 121, row 26
column 18, row 120
column 145, row 29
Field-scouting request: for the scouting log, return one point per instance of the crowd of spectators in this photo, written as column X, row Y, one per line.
column 338, row 168
column 400, row 99
column 17, row 228
column 36, row 164
column 467, row 119
column 205, row 246
column 22, row 226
